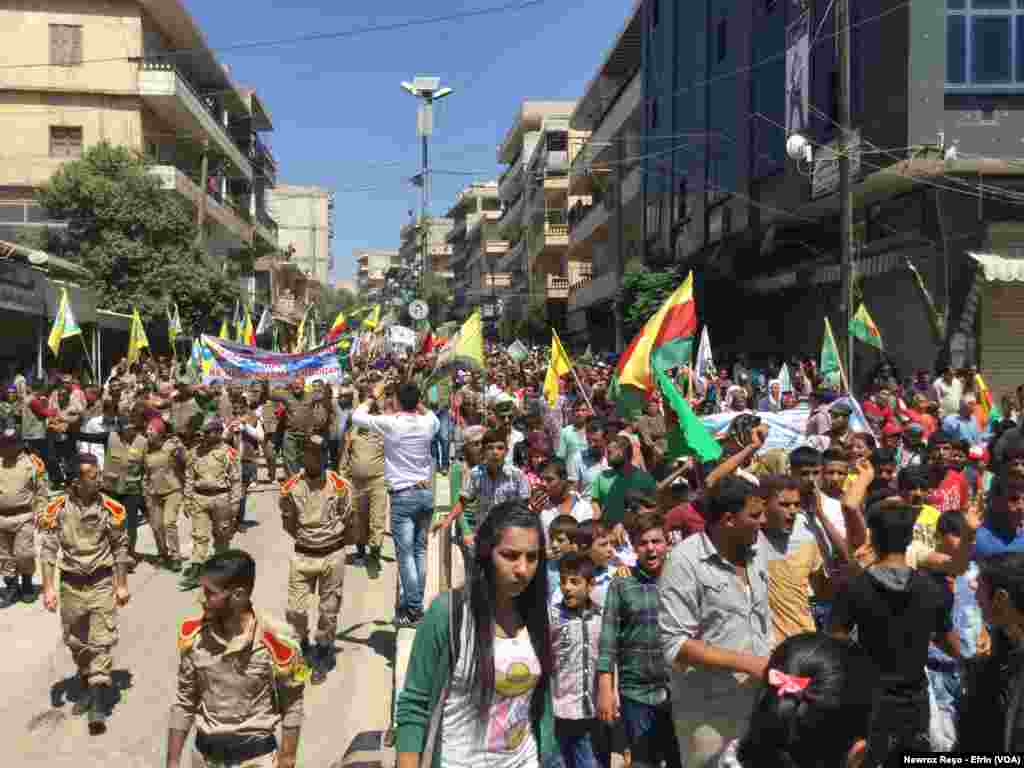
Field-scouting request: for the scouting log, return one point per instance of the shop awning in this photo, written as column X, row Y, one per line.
column 999, row 269
column 42, row 260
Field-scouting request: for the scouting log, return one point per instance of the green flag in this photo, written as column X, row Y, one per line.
column 687, row 435
column 829, row 366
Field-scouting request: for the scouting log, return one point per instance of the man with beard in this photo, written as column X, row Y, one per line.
column 83, row 535
column 608, row 493
column 239, row 675
column 715, row 621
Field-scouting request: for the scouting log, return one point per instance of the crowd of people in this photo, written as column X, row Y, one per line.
column 848, row 598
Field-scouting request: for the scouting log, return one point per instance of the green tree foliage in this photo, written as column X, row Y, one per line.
column 331, row 301
column 137, row 239
column 643, row 292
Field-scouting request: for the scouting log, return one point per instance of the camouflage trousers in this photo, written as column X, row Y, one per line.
column 213, row 517
column 89, row 618
column 316, row 575
column 17, row 545
column 163, row 519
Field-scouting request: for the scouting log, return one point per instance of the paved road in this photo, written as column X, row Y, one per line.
column 37, row 729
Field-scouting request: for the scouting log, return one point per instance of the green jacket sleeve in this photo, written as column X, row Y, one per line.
column 424, row 678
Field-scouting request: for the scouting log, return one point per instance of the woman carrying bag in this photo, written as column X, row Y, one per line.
column 477, row 690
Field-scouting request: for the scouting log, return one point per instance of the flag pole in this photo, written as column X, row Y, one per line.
column 88, row 359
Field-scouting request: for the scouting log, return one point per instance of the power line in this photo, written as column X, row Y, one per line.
column 310, row 37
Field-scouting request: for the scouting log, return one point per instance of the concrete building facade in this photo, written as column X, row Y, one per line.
column 372, row 266
column 77, row 73
column 305, row 220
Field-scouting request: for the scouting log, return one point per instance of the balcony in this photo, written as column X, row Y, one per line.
column 510, row 183
column 593, row 291
column 175, row 180
column 263, row 162
column 496, row 247
column 514, row 259
column 556, row 229
column 497, row 280
column 579, row 272
column 558, row 287
column 180, row 106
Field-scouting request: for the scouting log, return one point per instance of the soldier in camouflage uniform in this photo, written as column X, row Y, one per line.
column 164, row 489
column 271, row 435
column 23, row 495
column 83, row 536
column 315, row 509
column 213, row 489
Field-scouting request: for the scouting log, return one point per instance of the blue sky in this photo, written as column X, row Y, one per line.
column 342, row 122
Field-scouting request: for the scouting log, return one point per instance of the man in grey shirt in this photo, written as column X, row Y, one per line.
column 714, row 621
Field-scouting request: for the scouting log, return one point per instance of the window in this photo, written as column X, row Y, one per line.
column 985, row 45
column 655, row 14
column 65, row 141
column 723, row 38
column 558, row 142
column 654, row 113
column 65, row 45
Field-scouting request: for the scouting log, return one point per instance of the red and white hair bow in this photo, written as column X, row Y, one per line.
column 787, row 684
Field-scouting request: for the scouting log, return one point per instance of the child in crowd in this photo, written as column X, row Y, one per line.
column 575, row 626
column 594, row 539
column 561, row 542
column 835, row 470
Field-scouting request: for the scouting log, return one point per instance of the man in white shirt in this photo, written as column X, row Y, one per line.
column 408, row 469
column 948, row 390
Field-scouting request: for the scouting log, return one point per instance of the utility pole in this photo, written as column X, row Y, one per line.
column 204, row 175
column 428, row 90
column 845, row 190
column 620, row 244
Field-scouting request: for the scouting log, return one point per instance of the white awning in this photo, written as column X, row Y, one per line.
column 999, row 269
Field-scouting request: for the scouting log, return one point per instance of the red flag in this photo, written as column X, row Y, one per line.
column 428, row 344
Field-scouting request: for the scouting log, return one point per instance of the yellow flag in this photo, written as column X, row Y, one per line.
column 300, row 337
column 372, row 319
column 137, row 341
column 64, row 324
column 470, row 346
column 223, row 330
column 557, row 367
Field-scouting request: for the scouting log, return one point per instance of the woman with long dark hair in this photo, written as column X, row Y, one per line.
column 815, row 710
column 477, row 690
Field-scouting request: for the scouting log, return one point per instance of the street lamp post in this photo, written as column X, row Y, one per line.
column 428, row 90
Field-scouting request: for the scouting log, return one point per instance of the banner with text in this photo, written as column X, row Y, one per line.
column 786, row 429
column 227, row 361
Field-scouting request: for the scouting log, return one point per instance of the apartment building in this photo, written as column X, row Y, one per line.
column 937, row 120
column 605, row 182
column 477, row 249
column 372, row 267
column 305, row 220
column 106, row 72
column 411, row 244
column 534, row 192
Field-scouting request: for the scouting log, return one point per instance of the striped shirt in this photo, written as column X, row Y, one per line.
column 510, row 485
column 574, row 648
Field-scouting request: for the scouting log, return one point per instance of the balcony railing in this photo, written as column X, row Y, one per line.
column 558, row 287
column 263, row 161
column 556, row 223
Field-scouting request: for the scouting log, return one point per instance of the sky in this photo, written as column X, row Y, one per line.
column 342, row 122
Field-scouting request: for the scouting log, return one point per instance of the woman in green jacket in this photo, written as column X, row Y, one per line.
column 477, row 690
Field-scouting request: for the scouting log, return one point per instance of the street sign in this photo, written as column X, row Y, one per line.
column 418, row 310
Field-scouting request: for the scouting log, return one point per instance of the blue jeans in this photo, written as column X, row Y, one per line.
column 411, row 511
column 577, row 745
column 439, row 447
column 651, row 733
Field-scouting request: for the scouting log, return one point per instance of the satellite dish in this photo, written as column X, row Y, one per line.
column 418, row 310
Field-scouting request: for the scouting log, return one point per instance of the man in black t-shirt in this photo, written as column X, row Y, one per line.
column 896, row 612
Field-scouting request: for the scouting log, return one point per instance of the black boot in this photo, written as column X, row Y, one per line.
column 28, row 592
column 320, row 664
column 373, row 563
column 102, row 705
column 11, row 593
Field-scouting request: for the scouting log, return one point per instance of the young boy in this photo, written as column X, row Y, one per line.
column 834, row 471
column 575, row 633
column 594, row 539
column 561, row 542
column 630, row 645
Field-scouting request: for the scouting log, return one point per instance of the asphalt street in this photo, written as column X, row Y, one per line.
column 36, row 725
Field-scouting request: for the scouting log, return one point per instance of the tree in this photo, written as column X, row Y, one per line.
column 136, row 239
column 331, row 301
column 643, row 293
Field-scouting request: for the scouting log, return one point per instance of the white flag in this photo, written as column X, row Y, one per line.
column 785, row 382
column 264, row 324
column 704, row 361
